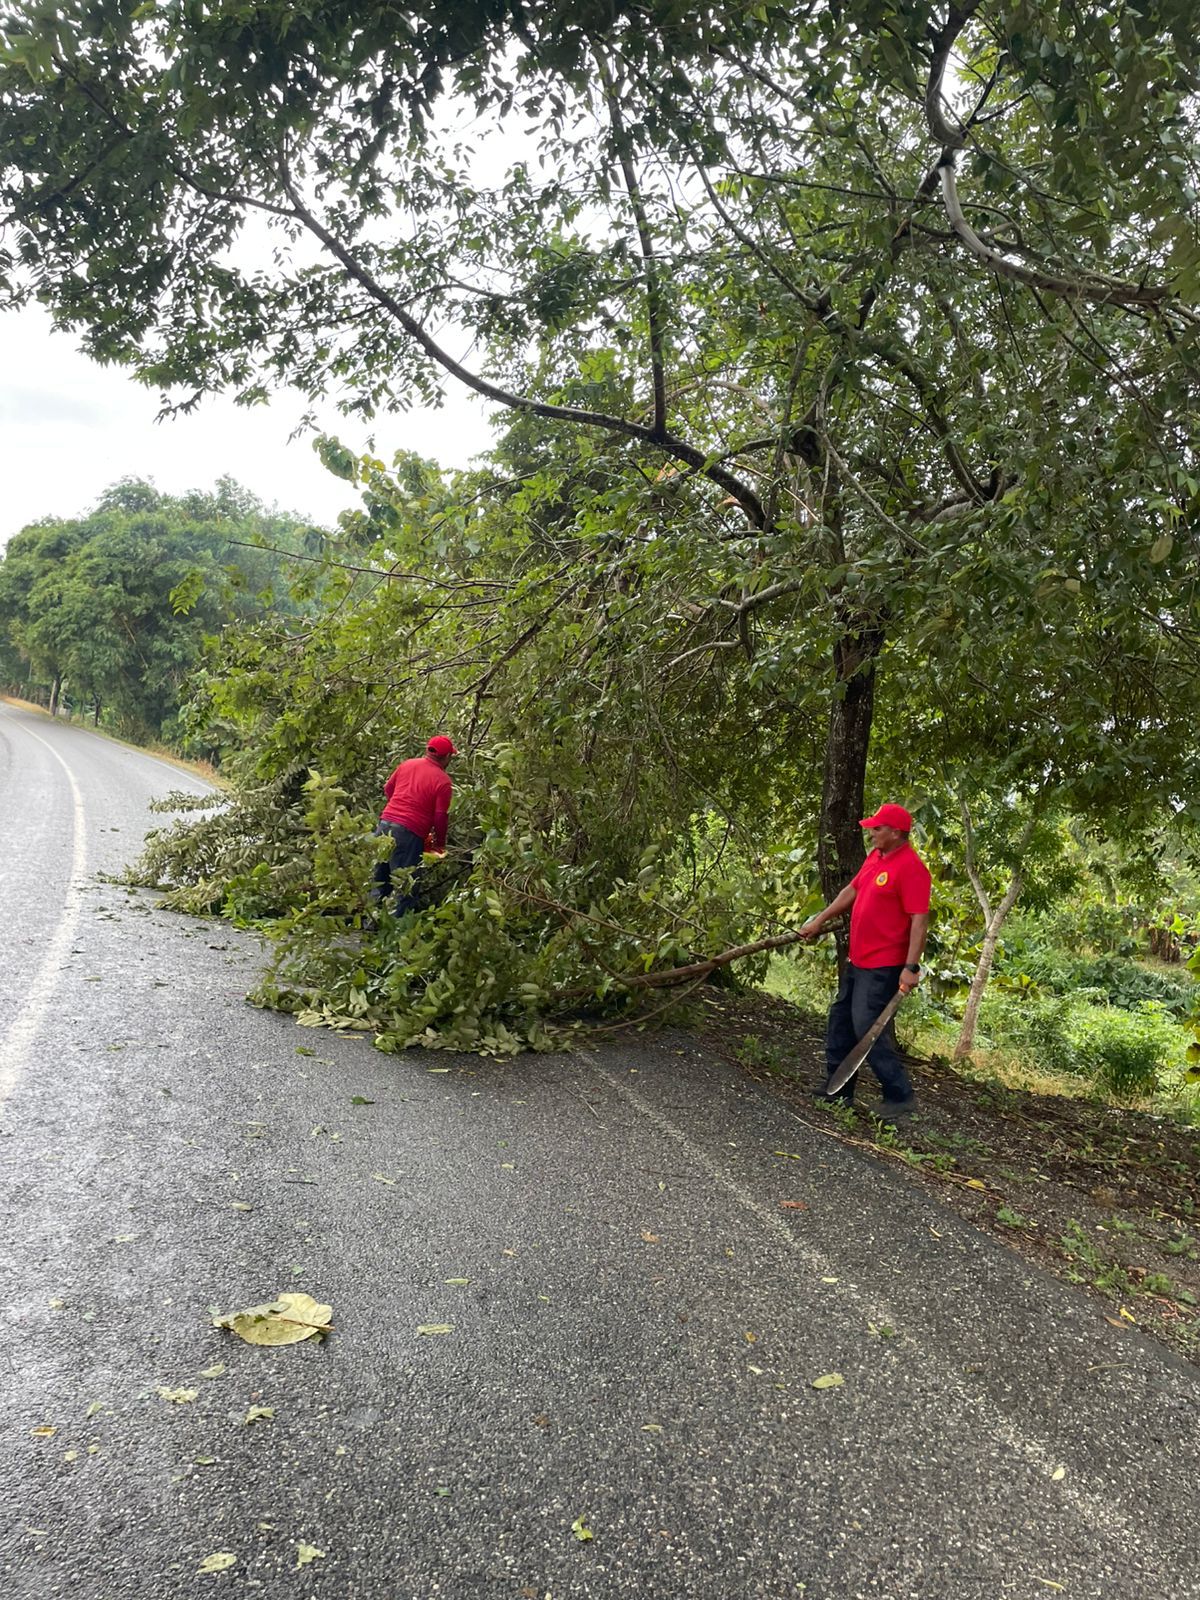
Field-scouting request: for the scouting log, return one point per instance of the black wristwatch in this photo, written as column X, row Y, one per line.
column 912, row 966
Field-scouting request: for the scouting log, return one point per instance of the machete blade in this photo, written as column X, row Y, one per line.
column 862, row 1049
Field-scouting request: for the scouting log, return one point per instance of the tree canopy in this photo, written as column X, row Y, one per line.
column 848, row 354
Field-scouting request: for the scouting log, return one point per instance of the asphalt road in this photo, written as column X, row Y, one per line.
column 634, row 1344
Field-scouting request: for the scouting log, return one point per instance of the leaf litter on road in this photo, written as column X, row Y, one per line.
column 219, row 1561
column 287, row 1319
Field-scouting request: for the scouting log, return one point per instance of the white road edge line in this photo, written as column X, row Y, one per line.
column 14, row 1048
column 1094, row 1509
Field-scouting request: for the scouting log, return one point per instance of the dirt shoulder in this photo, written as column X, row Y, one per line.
column 1104, row 1198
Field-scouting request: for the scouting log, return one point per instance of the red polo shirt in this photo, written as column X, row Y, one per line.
column 892, row 890
column 418, row 798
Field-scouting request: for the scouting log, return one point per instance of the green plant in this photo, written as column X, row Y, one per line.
column 753, row 1051
column 1182, row 1244
column 1013, row 1219
column 1037, row 1027
column 1076, row 1244
column 1125, row 1052
column 1157, row 1283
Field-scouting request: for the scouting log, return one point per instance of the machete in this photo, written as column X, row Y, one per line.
column 862, row 1049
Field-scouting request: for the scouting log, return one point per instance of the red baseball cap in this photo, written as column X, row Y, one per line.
column 889, row 816
column 440, row 745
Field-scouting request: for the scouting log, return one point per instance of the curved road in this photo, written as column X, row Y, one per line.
column 635, row 1318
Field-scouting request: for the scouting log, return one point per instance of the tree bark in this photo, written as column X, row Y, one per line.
column 839, row 840
column 55, row 692
column 993, row 921
column 983, row 968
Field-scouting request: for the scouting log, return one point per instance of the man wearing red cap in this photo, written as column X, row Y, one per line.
column 888, row 902
column 418, row 809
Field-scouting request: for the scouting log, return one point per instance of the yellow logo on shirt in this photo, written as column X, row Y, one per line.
column 881, row 879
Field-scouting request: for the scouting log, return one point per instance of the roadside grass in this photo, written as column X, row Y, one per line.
column 1101, row 1191
column 926, row 1029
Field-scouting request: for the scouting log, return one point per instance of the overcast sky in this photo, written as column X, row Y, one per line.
column 69, row 428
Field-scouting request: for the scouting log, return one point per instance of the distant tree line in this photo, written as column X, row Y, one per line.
column 107, row 615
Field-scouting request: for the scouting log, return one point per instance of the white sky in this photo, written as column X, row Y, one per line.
column 69, row 428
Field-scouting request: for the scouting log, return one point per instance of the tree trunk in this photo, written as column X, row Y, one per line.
column 966, row 1034
column 839, row 840
column 55, row 691
column 993, row 921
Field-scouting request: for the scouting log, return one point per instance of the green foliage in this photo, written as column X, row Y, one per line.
column 117, row 605
column 1124, row 1052
column 1121, row 1052
column 788, row 440
column 1037, row 1028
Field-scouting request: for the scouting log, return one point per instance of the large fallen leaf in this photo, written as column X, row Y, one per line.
column 218, row 1562
column 831, row 1380
column 285, row 1320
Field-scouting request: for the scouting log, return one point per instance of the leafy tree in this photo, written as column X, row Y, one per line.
column 881, row 286
column 118, row 603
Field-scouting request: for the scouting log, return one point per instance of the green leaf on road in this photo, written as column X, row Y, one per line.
column 219, row 1562
column 259, row 1414
column 179, row 1397
column 285, row 1320
column 436, row 1327
column 831, row 1380
column 306, row 1553
column 581, row 1530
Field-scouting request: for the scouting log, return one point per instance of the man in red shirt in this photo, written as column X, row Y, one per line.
column 888, row 902
column 418, row 808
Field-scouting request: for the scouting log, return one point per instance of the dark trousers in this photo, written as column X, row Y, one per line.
column 862, row 995
column 407, row 850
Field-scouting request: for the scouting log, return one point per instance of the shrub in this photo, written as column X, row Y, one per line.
column 1128, row 985
column 1037, row 1028
column 1125, row 1051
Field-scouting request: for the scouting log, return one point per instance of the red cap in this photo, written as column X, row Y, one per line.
column 440, row 745
column 889, row 816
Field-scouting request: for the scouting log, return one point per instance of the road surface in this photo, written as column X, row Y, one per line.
column 636, row 1316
